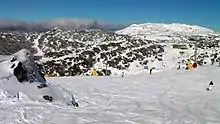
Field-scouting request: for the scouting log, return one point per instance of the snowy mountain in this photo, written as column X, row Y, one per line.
column 158, row 32
column 62, row 52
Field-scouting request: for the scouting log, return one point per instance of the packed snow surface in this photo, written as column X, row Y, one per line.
column 168, row 97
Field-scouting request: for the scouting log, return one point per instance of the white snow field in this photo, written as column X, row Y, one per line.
column 167, row 97
column 160, row 32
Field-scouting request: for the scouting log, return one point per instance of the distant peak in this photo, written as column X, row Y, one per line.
column 164, row 32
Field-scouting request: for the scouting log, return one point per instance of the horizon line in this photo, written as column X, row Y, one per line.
column 9, row 20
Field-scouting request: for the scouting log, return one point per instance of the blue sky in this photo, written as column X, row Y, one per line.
column 200, row 12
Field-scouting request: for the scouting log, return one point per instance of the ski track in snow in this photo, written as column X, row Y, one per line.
column 169, row 97
column 36, row 45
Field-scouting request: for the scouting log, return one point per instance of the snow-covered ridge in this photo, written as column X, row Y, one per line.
column 160, row 31
column 160, row 27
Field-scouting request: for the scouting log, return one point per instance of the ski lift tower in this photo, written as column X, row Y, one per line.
column 195, row 52
column 196, row 40
column 106, row 67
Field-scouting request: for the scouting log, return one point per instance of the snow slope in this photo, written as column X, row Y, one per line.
column 36, row 46
column 174, row 96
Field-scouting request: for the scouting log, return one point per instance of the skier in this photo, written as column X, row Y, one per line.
column 151, row 70
column 219, row 63
column 212, row 60
column 210, row 86
column 178, row 68
column 215, row 55
column 122, row 74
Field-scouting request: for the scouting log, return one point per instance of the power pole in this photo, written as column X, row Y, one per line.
column 195, row 52
column 106, row 68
